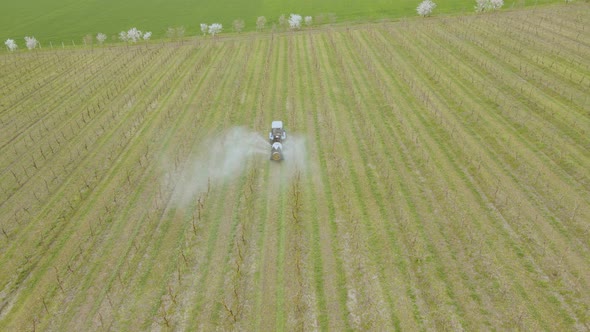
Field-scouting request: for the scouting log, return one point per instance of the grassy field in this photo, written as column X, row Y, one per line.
column 70, row 20
column 437, row 178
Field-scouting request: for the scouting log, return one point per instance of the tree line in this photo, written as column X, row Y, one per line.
column 293, row 22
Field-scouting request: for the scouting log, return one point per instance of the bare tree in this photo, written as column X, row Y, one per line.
column 180, row 32
column 238, row 25
column 88, row 40
column 283, row 22
column 325, row 18
column 170, row 32
column 332, row 17
column 260, row 23
column 320, row 19
column 175, row 33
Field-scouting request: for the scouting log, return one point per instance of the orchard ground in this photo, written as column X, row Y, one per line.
column 437, row 178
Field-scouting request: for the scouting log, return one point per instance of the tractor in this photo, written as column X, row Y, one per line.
column 276, row 137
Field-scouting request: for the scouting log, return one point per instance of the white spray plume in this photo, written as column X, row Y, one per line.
column 295, row 154
column 220, row 158
column 226, row 157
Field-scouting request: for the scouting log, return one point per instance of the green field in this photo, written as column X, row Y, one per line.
column 437, row 178
column 71, row 20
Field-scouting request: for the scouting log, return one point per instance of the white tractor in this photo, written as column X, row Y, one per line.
column 276, row 137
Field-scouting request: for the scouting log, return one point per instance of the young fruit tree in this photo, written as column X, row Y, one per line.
column 180, row 32
column 11, row 44
column 175, row 32
column 425, row 8
column 134, row 35
column 238, row 25
column 204, row 28
column 487, row 5
column 497, row 4
column 282, row 22
column 260, row 23
column 215, row 28
column 295, row 21
column 147, row 36
column 87, row 40
column 308, row 20
column 123, row 36
column 31, row 42
column 101, row 37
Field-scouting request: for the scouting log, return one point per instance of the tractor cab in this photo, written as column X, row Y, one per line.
column 277, row 133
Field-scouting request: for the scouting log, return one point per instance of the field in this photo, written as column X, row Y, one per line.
column 70, row 20
column 437, row 178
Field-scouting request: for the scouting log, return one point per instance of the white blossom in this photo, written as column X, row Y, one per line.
column 425, row 8
column 497, row 4
column 133, row 35
column 31, row 42
column 486, row 5
column 215, row 28
column 308, row 20
column 101, row 37
column 123, row 36
column 295, row 21
column 11, row 44
column 147, row 35
column 204, row 28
